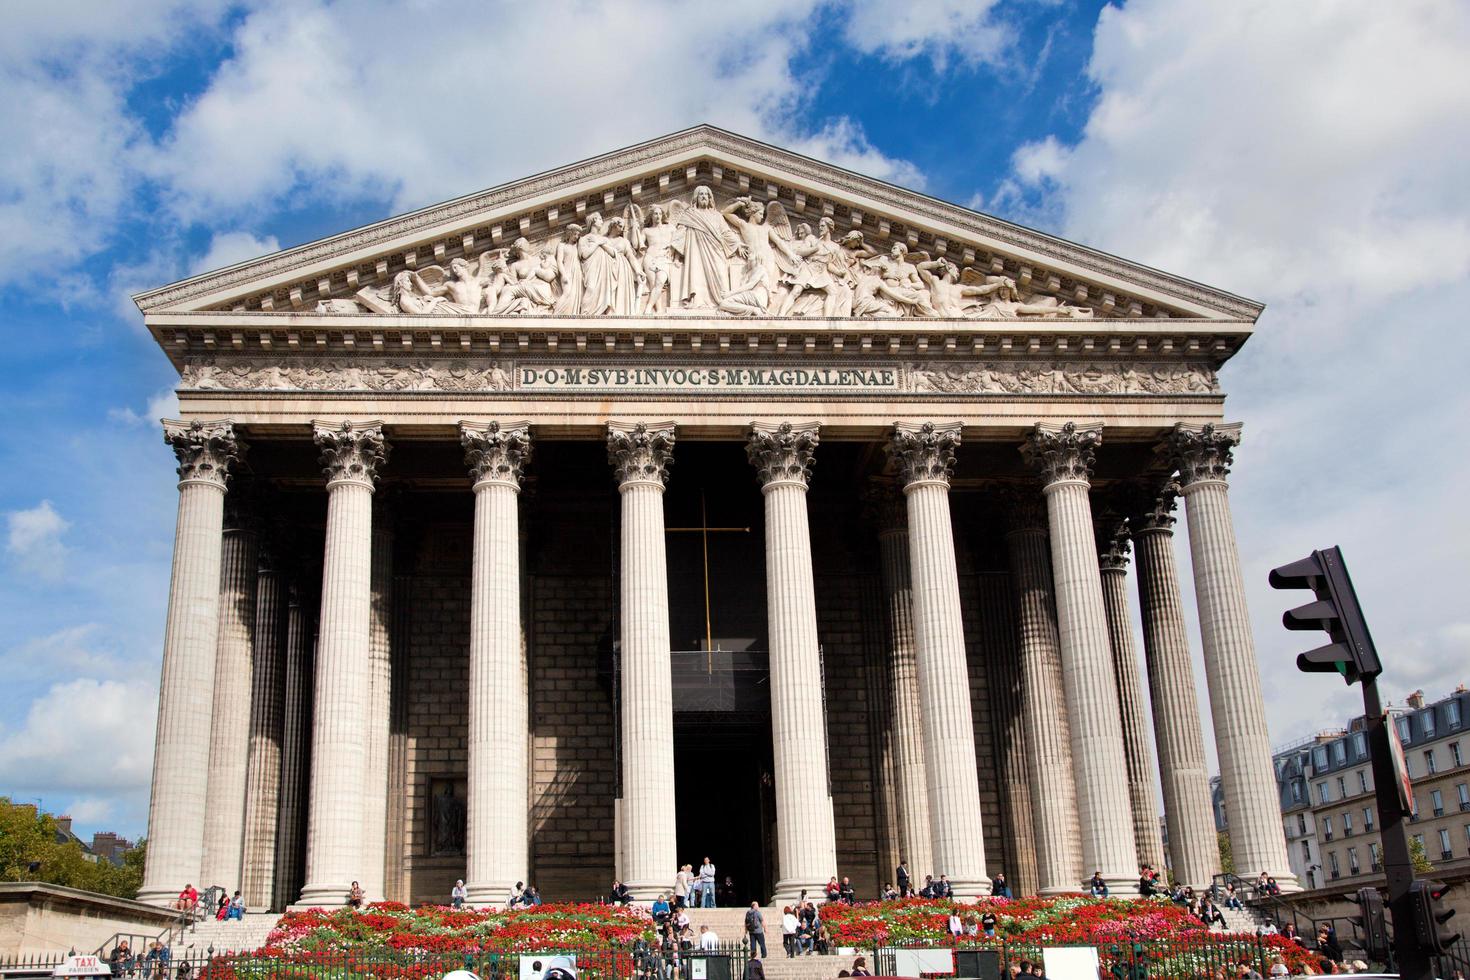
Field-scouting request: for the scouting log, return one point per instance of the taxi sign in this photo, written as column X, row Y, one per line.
column 83, row 965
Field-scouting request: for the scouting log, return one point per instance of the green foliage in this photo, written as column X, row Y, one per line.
column 28, row 837
column 1227, row 859
column 1418, row 858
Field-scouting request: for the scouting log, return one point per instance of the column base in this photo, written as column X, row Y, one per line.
column 1057, row 890
column 486, row 894
column 969, row 889
column 790, row 891
column 1287, row 882
column 158, row 896
column 1119, row 887
column 322, row 897
column 648, row 891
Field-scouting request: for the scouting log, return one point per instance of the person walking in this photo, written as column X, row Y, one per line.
column 789, row 925
column 755, row 927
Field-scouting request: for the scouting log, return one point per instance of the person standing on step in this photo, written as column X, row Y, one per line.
column 707, row 883
column 682, row 882
column 755, row 927
column 905, row 880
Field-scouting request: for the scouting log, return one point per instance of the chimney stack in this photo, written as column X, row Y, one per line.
column 1416, row 700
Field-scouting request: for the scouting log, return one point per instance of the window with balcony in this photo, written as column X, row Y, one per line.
column 1375, row 856
column 1360, row 746
column 1464, row 790
column 1301, row 824
column 1296, row 792
column 1455, row 758
column 1322, row 796
column 1445, row 851
column 1339, row 752
column 1347, row 824
column 1327, row 828
column 1368, row 819
column 1452, row 715
column 1428, row 723
column 1332, row 868
column 1436, row 802
column 1362, row 780
column 1405, row 729
column 1353, row 867
column 1319, row 757
column 1307, row 849
column 1341, row 787
column 1429, row 762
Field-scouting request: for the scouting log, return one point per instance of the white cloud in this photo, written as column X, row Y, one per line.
column 227, row 248
column 936, row 29
column 1309, row 155
column 56, row 749
column 82, row 650
column 413, row 124
column 163, row 405
column 34, row 540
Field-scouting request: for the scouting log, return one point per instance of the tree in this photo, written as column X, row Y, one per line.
column 1418, row 858
column 1227, row 859
column 30, row 850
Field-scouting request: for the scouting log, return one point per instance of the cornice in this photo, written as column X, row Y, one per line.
column 694, row 144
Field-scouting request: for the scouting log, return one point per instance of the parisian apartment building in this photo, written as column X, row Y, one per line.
column 1328, row 810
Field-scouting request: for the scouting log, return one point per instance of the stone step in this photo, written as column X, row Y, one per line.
column 231, row 936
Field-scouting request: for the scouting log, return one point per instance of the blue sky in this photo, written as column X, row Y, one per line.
column 1309, row 155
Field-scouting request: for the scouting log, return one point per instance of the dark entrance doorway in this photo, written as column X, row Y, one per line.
column 726, row 805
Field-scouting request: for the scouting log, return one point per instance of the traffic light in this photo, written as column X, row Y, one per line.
column 1351, row 652
column 1372, row 923
column 1430, row 915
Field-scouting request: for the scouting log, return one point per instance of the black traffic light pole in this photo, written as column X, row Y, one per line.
column 1353, row 655
column 1412, row 959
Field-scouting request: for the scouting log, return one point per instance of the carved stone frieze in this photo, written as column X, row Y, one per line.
column 1063, row 452
column 206, row 450
column 924, row 453
column 640, row 452
column 1064, row 377
column 351, row 452
column 496, row 452
column 344, row 374
column 782, row 453
column 1202, row 452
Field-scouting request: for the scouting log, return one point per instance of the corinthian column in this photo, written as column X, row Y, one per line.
column 496, row 829
column 267, row 713
column 925, row 458
column 1113, row 561
column 1047, row 727
column 1252, row 803
column 911, row 785
column 206, row 451
column 806, row 839
column 224, row 811
column 295, row 748
column 1063, row 454
column 640, row 455
column 351, row 455
column 1186, row 783
column 379, row 704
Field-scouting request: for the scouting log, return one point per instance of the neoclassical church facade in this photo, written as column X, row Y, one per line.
column 698, row 499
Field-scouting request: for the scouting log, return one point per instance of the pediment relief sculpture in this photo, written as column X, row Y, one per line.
column 691, row 256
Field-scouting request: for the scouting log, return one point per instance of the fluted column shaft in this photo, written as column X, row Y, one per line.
column 1104, row 811
column 1242, row 741
column 1046, row 723
column 224, row 811
column 806, row 837
column 334, row 826
column 267, row 712
column 925, row 456
column 911, row 785
column 181, row 749
column 496, row 832
column 295, row 746
column 376, row 719
column 1136, row 744
column 1186, row 782
column 641, row 455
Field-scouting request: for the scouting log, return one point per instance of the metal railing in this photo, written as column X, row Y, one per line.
column 1192, row 957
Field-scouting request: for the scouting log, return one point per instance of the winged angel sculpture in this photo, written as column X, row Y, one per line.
column 693, row 258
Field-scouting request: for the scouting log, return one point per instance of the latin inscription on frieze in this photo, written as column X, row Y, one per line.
column 703, row 377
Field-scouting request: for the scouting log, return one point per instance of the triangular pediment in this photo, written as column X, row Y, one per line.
column 824, row 248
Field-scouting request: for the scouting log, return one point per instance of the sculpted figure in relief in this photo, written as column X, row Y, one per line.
column 766, row 232
column 706, row 244
column 948, row 296
column 823, row 269
column 569, row 272
column 529, row 279
column 610, row 276
column 751, row 295
column 653, row 239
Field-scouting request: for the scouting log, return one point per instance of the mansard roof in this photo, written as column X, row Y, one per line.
column 340, row 270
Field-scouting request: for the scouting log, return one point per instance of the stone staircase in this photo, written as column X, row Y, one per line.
column 1246, row 920
column 729, row 925
column 231, row 936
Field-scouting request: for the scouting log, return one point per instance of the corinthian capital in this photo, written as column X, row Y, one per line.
column 782, row 453
column 1152, row 508
column 496, row 453
column 639, row 452
column 924, row 453
column 206, row 450
column 1063, row 452
column 351, row 451
column 1202, row 452
column 884, row 506
column 1112, row 543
